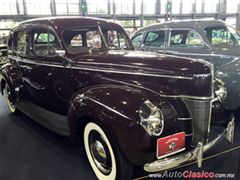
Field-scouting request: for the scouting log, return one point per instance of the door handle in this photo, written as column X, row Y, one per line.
column 27, row 67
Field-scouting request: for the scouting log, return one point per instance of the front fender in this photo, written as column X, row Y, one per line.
column 117, row 109
column 10, row 75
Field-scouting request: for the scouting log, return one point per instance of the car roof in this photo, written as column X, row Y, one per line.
column 196, row 24
column 60, row 23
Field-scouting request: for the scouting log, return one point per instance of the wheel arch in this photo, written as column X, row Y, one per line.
column 11, row 77
column 121, row 122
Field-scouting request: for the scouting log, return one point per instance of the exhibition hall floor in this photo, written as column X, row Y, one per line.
column 29, row 151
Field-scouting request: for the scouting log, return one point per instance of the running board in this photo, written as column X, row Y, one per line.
column 53, row 121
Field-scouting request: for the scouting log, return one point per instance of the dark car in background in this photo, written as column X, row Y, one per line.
column 80, row 77
column 211, row 40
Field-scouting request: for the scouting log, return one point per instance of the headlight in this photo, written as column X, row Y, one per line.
column 152, row 119
column 220, row 90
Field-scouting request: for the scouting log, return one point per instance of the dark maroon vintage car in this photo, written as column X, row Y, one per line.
column 81, row 78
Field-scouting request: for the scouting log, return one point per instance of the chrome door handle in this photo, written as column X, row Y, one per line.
column 26, row 67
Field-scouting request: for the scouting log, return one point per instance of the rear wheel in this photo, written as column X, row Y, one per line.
column 106, row 162
column 10, row 102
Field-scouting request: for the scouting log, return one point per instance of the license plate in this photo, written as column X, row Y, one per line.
column 169, row 145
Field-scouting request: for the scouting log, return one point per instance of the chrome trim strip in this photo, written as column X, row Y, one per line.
column 184, row 119
column 132, row 73
column 122, row 65
column 175, row 161
column 191, row 97
column 109, row 108
column 104, row 70
column 188, row 134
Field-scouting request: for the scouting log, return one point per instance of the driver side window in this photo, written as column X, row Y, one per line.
column 137, row 40
column 155, row 39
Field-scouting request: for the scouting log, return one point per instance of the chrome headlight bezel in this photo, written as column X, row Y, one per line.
column 151, row 118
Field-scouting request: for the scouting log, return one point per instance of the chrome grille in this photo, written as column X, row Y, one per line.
column 201, row 115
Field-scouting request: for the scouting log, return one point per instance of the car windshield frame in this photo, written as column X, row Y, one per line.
column 103, row 36
column 234, row 35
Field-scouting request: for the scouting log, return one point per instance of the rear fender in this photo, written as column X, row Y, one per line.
column 11, row 77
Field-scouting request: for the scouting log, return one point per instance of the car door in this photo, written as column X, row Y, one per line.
column 188, row 43
column 43, row 70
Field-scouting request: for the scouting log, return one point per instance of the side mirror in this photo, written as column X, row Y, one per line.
column 60, row 53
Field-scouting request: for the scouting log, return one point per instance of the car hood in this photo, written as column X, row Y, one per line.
column 227, row 50
column 166, row 75
column 143, row 62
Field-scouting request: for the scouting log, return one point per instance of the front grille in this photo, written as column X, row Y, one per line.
column 201, row 115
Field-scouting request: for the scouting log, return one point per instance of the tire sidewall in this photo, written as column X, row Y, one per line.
column 91, row 126
column 11, row 109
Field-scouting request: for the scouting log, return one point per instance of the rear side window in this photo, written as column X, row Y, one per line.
column 77, row 41
column 81, row 40
column 185, row 38
column 155, row 39
column 44, row 37
column 44, row 42
column 222, row 35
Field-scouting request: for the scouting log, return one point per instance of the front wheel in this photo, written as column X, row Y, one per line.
column 10, row 102
column 106, row 163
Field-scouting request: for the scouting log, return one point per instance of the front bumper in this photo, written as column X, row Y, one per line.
column 195, row 154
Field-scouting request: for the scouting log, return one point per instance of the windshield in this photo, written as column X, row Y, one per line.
column 84, row 40
column 222, row 35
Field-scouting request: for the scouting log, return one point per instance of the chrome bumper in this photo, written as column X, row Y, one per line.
column 195, row 154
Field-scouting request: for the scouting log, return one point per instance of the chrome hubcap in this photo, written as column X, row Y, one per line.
column 100, row 153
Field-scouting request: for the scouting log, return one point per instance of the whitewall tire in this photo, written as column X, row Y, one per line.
column 99, row 152
column 11, row 105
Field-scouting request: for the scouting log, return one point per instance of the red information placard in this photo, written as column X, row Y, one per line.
column 169, row 145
